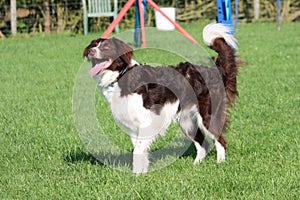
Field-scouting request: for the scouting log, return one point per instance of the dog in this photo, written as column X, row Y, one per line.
column 145, row 100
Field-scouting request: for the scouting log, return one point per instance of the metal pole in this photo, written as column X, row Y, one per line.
column 137, row 31
column 236, row 13
column 278, row 14
column 142, row 23
column 224, row 13
column 119, row 17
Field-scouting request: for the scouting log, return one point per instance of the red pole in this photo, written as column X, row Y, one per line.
column 156, row 7
column 117, row 19
column 142, row 23
column 177, row 26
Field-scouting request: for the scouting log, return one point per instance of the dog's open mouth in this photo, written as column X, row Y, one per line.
column 100, row 67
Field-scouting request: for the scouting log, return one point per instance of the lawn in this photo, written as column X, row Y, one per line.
column 43, row 157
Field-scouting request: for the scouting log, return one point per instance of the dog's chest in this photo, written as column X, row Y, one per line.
column 129, row 112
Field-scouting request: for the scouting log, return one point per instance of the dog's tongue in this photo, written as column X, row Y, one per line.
column 100, row 67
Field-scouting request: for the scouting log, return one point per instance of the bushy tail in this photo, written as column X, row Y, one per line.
column 219, row 38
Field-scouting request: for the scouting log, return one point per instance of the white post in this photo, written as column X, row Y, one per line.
column 13, row 17
column 256, row 9
column 85, row 18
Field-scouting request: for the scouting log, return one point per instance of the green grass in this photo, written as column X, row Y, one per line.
column 42, row 156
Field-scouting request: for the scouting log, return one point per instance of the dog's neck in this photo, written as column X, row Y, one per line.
column 108, row 78
column 121, row 73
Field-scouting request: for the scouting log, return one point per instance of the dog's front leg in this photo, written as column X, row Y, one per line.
column 140, row 154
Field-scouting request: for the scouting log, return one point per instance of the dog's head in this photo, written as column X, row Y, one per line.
column 108, row 54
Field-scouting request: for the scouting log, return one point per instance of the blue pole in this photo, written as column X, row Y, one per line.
column 227, row 11
column 224, row 12
column 137, row 34
column 278, row 14
column 220, row 15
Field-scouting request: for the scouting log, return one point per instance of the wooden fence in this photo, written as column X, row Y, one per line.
column 67, row 16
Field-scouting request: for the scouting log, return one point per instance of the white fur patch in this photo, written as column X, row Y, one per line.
column 133, row 62
column 107, row 77
column 204, row 129
column 129, row 112
column 140, row 154
column 220, row 152
column 188, row 119
column 218, row 30
column 201, row 151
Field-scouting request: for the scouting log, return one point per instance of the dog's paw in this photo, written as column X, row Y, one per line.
column 220, row 157
column 138, row 171
column 220, row 152
column 140, row 163
column 199, row 158
column 201, row 151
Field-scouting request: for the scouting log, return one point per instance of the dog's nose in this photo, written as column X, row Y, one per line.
column 92, row 52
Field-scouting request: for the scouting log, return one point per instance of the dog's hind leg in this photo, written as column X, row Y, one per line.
column 189, row 125
column 220, row 147
column 201, row 145
column 219, row 140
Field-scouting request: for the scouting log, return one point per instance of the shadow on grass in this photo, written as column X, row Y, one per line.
column 80, row 156
column 191, row 151
column 125, row 159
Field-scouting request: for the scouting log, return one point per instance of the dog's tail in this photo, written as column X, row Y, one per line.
column 219, row 38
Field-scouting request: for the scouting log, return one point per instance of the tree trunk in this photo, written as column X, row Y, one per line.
column 60, row 18
column 13, row 17
column 256, row 9
column 286, row 11
column 47, row 18
column 247, row 10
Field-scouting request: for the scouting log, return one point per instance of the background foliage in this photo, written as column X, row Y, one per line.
column 67, row 14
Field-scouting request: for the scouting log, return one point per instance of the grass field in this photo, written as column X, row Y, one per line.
column 42, row 156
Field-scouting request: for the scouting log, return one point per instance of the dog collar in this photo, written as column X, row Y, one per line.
column 111, row 88
column 122, row 72
column 120, row 76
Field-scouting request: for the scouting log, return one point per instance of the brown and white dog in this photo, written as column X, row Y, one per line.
column 145, row 100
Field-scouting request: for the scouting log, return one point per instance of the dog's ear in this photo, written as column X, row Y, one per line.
column 93, row 43
column 124, row 51
column 85, row 52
